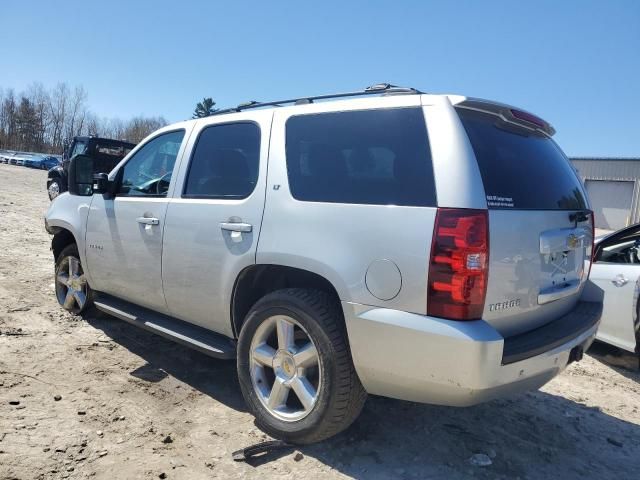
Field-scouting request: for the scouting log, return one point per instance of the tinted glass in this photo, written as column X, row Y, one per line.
column 521, row 169
column 623, row 247
column 378, row 157
column 111, row 149
column 78, row 149
column 148, row 172
column 225, row 162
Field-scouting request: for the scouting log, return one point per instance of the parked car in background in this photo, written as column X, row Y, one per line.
column 6, row 156
column 430, row 248
column 43, row 162
column 50, row 161
column 106, row 153
column 615, row 278
column 32, row 161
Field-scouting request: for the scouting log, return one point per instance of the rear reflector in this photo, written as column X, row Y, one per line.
column 459, row 264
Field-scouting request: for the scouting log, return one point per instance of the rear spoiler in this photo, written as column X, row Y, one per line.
column 508, row 114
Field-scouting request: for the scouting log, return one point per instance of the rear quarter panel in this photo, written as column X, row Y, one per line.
column 340, row 241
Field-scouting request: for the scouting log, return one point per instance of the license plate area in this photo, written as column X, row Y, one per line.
column 561, row 263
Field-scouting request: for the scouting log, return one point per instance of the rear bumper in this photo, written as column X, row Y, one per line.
column 430, row 360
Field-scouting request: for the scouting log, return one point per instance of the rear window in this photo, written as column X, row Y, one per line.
column 521, row 169
column 378, row 157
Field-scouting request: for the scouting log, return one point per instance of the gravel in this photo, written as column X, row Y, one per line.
column 583, row 424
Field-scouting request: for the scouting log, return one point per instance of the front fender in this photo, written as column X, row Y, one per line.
column 55, row 172
column 70, row 212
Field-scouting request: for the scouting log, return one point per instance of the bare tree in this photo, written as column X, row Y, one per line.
column 44, row 120
column 76, row 112
column 8, row 119
column 58, row 110
column 39, row 99
column 139, row 127
column 94, row 125
column 114, row 128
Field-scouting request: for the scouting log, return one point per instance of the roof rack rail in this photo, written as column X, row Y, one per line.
column 377, row 89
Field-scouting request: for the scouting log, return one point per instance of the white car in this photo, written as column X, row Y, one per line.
column 615, row 278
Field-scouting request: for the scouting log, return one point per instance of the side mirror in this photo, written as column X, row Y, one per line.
column 101, row 183
column 81, row 175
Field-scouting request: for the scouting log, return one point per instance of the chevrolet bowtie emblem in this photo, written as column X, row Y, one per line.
column 573, row 241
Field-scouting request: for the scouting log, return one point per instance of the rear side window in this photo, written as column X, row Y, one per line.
column 378, row 157
column 225, row 162
column 521, row 169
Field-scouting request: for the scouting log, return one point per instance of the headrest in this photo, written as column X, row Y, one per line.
column 230, row 164
column 326, row 161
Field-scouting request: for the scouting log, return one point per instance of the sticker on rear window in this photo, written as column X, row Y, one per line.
column 497, row 201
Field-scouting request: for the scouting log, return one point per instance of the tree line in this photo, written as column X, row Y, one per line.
column 45, row 120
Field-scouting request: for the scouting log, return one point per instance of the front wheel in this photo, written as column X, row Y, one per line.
column 72, row 289
column 295, row 367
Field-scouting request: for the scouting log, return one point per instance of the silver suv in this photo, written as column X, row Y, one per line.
column 430, row 248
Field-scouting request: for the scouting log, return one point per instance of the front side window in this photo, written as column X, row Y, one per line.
column 623, row 247
column 376, row 157
column 225, row 162
column 148, row 172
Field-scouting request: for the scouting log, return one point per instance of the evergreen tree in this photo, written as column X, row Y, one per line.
column 204, row 108
column 27, row 125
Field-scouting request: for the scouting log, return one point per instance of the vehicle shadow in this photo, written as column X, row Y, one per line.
column 213, row 377
column 533, row 435
column 625, row 363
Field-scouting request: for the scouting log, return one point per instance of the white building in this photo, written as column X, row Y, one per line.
column 613, row 186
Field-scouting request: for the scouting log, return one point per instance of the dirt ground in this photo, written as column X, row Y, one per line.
column 98, row 398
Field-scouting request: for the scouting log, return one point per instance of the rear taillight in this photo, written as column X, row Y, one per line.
column 593, row 241
column 459, row 264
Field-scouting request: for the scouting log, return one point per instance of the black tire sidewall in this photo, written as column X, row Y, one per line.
column 291, row 431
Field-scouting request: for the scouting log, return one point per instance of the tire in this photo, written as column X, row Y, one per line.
column 53, row 189
column 317, row 321
column 72, row 289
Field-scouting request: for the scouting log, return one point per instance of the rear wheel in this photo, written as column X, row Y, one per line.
column 72, row 289
column 295, row 367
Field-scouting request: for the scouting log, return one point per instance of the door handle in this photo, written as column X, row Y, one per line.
column 236, row 227
column 620, row 280
column 148, row 220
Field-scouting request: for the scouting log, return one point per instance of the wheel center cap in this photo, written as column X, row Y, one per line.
column 284, row 365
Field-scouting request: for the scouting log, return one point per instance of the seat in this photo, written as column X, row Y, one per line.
column 228, row 175
column 327, row 173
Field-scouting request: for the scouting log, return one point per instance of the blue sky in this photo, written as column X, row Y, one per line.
column 575, row 63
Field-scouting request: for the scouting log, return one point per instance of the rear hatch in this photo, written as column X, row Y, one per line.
column 540, row 226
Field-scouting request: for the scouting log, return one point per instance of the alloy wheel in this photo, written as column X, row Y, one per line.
column 285, row 369
column 54, row 190
column 71, row 285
